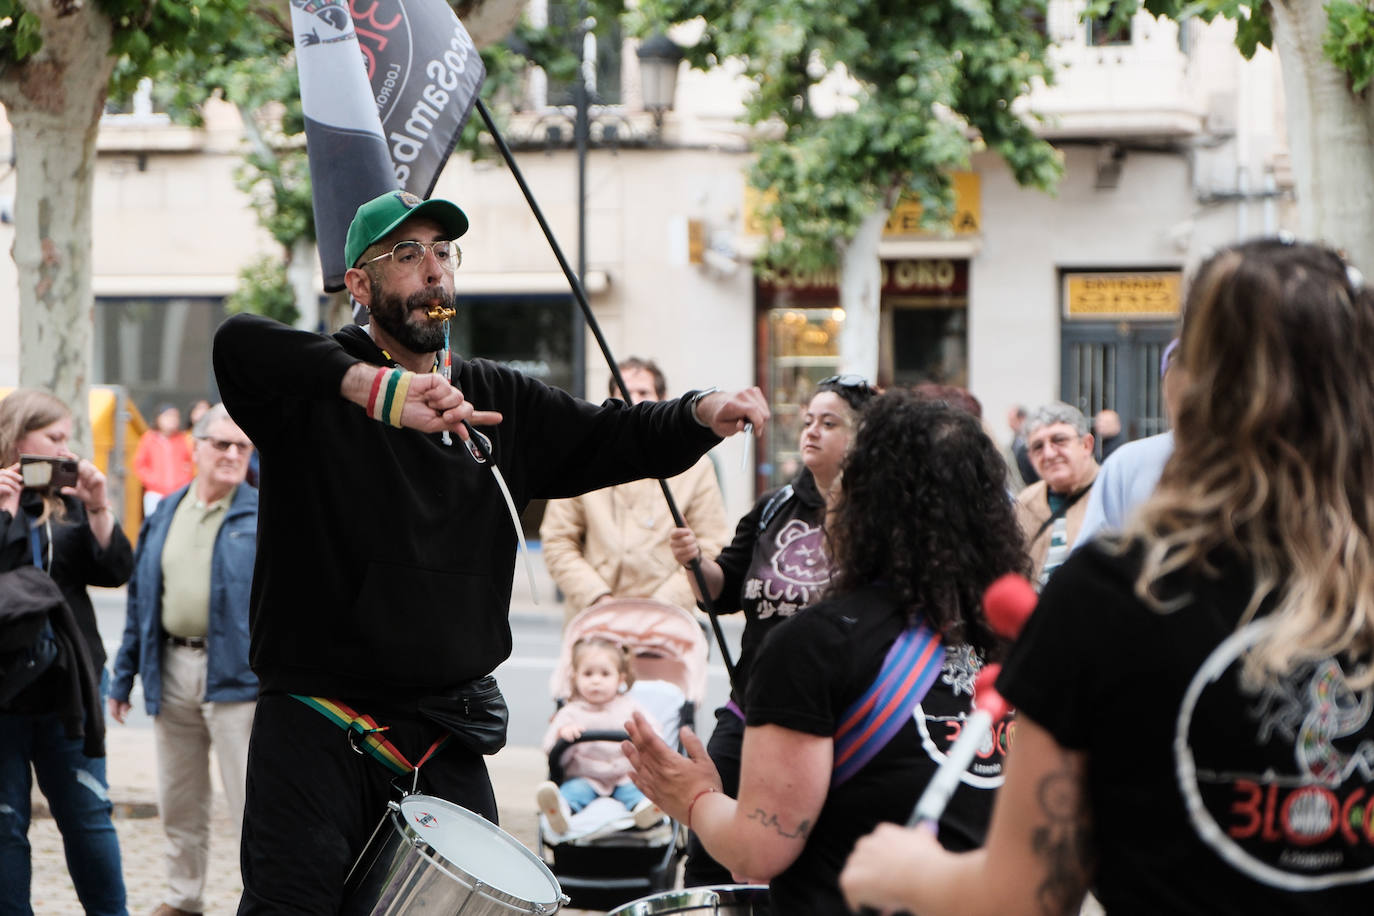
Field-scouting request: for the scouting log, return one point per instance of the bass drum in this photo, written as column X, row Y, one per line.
column 429, row 857
column 725, row 899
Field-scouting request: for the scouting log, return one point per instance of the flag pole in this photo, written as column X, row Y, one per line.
column 580, row 294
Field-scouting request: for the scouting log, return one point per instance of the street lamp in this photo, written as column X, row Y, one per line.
column 658, row 64
column 659, row 57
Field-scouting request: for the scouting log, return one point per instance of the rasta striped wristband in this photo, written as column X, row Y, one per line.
column 387, row 398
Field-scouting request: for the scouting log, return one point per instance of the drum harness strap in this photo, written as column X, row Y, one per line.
column 908, row 672
column 365, row 729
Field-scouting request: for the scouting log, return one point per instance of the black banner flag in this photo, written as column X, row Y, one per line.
column 386, row 88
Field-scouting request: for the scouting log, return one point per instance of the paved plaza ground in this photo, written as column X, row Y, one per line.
column 133, row 779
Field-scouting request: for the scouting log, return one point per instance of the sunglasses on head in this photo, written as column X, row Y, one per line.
column 847, row 380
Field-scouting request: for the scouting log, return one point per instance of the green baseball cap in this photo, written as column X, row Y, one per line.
column 381, row 214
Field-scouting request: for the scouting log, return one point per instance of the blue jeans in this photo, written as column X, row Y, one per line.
column 579, row 793
column 78, row 795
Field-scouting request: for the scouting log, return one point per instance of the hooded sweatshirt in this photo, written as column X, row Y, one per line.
column 385, row 557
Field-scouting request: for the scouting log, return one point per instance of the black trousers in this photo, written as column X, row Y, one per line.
column 312, row 803
column 724, row 748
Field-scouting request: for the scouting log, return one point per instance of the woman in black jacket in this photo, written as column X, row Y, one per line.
column 70, row 534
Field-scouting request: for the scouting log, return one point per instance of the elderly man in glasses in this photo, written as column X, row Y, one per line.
column 1051, row 510
column 381, row 596
column 186, row 636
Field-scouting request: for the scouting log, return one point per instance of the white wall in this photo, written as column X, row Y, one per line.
column 1151, row 219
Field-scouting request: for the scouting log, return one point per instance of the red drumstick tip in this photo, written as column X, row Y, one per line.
column 1008, row 603
column 985, row 695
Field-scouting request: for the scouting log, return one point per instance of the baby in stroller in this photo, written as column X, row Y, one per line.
column 604, row 860
column 602, row 672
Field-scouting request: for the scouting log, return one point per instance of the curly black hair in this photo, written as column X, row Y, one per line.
column 925, row 511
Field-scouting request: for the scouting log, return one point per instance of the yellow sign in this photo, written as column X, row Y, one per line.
column 1154, row 293
column 905, row 218
column 968, row 210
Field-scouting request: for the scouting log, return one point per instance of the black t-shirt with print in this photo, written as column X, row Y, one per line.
column 1208, row 796
column 773, row 573
column 807, row 673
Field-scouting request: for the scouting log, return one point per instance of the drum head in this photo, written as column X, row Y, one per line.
column 473, row 845
column 741, row 899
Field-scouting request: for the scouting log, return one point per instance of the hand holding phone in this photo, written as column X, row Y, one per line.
column 10, row 488
column 47, row 474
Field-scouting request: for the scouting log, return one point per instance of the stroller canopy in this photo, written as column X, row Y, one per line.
column 667, row 643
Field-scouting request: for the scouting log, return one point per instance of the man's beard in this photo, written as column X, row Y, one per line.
column 396, row 317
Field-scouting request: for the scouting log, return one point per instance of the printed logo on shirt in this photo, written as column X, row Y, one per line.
column 796, row 575
column 940, row 719
column 1285, row 795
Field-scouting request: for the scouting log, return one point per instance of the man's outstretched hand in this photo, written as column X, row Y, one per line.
column 729, row 413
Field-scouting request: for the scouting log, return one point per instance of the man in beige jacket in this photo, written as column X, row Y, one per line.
column 613, row 543
column 1051, row 510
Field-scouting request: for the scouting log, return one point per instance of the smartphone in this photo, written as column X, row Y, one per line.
column 40, row 473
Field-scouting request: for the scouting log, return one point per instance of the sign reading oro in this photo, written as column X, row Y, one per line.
column 1122, row 294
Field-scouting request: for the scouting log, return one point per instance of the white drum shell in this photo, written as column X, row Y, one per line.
column 411, row 867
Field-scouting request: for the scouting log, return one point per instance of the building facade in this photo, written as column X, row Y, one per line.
column 1173, row 145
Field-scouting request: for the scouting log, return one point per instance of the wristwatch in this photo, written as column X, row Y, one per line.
column 696, row 399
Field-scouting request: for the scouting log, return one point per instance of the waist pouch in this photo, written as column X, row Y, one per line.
column 475, row 713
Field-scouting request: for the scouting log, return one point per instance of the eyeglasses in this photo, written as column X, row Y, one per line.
column 1060, row 441
column 223, row 445
column 411, row 254
column 847, row 380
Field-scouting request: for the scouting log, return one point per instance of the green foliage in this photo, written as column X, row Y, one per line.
column 264, row 290
column 1254, row 29
column 20, row 32
column 933, row 82
column 1349, row 41
column 278, row 185
column 144, row 33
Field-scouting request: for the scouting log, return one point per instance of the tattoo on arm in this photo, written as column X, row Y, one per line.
column 1064, row 840
column 771, row 820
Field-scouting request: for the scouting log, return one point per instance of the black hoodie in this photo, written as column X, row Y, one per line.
column 385, row 557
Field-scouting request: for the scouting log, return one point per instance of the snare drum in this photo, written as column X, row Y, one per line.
column 725, row 899
column 430, row 857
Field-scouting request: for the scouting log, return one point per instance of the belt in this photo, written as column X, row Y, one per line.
column 189, row 642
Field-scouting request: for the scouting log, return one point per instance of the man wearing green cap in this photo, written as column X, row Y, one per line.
column 381, row 592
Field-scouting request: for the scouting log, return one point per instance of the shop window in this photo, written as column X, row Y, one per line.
column 532, row 334
column 930, row 345
column 157, row 348
column 803, row 348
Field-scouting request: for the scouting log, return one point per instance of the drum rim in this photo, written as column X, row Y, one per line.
column 694, row 897
column 427, row 849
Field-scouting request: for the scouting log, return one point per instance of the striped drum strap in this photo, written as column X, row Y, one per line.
column 908, row 672
column 365, row 729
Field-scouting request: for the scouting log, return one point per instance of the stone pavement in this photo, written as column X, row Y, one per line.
column 133, row 788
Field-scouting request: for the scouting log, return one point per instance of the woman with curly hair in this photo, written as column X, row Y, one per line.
column 776, row 565
column 922, row 527
column 1194, row 699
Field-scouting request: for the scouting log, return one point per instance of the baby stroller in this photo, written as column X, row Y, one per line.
column 604, row 860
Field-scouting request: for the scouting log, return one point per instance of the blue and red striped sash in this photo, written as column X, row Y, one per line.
column 908, row 672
